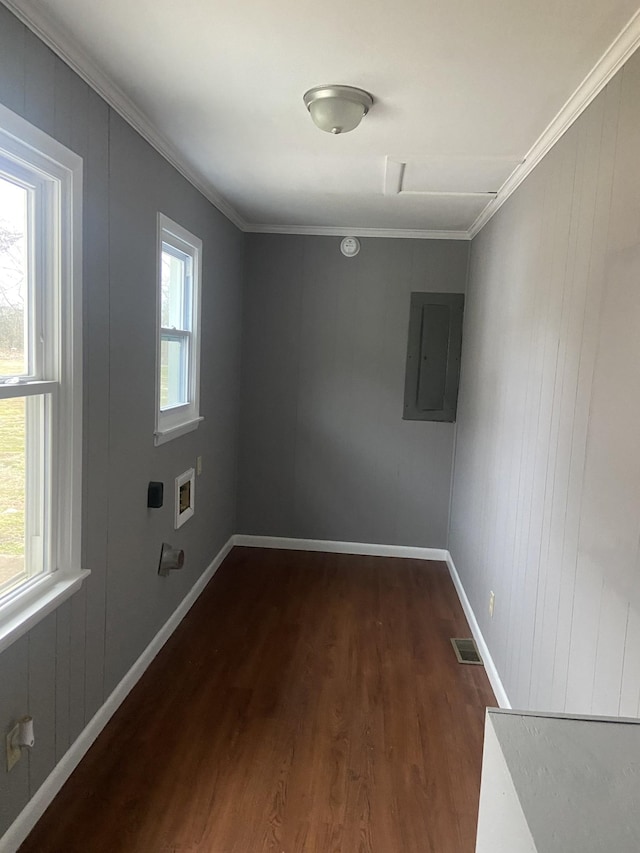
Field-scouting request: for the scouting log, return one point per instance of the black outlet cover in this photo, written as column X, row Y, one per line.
column 155, row 495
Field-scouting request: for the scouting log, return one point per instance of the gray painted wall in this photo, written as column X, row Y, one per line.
column 63, row 670
column 546, row 487
column 546, row 501
column 325, row 453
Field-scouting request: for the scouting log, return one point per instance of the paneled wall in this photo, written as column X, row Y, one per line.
column 63, row 669
column 325, row 452
column 546, row 500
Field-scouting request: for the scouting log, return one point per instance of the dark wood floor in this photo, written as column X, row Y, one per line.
column 308, row 702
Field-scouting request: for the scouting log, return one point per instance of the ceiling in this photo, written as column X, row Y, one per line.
column 464, row 93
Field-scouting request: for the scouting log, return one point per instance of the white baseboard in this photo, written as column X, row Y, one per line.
column 332, row 547
column 392, row 551
column 489, row 665
column 35, row 808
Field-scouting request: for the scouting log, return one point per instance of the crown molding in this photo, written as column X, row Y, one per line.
column 56, row 38
column 612, row 60
column 341, row 231
column 64, row 46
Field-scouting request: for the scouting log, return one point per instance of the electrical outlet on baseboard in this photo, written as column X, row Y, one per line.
column 492, row 602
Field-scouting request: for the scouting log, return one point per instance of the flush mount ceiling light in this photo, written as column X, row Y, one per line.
column 337, row 109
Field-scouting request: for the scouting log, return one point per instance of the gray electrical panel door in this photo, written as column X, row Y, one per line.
column 433, row 357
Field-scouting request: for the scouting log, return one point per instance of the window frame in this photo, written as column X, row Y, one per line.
column 59, row 367
column 178, row 420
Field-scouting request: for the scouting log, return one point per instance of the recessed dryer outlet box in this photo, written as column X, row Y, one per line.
column 185, row 497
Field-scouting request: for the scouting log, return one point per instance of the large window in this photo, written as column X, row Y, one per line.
column 40, row 374
column 178, row 372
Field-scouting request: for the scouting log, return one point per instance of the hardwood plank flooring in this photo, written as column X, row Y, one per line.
column 308, row 703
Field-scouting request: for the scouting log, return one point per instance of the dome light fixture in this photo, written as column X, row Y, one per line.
column 337, row 109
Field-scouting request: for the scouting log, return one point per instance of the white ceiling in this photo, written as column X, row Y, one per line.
column 463, row 90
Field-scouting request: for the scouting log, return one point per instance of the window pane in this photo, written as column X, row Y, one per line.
column 22, row 452
column 14, row 339
column 176, row 273
column 174, row 355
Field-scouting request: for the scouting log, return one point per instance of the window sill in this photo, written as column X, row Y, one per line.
column 163, row 435
column 25, row 609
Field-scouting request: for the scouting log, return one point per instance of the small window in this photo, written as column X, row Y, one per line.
column 40, row 374
column 178, row 372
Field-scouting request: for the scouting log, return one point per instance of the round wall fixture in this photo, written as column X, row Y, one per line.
column 350, row 247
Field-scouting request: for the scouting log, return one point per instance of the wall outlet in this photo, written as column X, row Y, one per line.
column 492, row 602
column 199, row 465
column 14, row 753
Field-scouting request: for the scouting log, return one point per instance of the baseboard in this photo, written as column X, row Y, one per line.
column 333, row 547
column 489, row 665
column 35, row 808
column 407, row 552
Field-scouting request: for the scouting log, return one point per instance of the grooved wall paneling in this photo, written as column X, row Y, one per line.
column 65, row 667
column 546, row 500
column 325, row 452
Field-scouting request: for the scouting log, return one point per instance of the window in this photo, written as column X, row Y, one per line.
column 178, row 362
column 40, row 374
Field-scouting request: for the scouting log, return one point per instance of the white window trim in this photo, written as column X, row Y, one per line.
column 179, row 420
column 21, row 609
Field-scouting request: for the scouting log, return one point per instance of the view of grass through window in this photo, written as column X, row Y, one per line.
column 12, row 485
column 13, row 363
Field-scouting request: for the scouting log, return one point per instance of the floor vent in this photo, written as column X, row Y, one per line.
column 466, row 650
